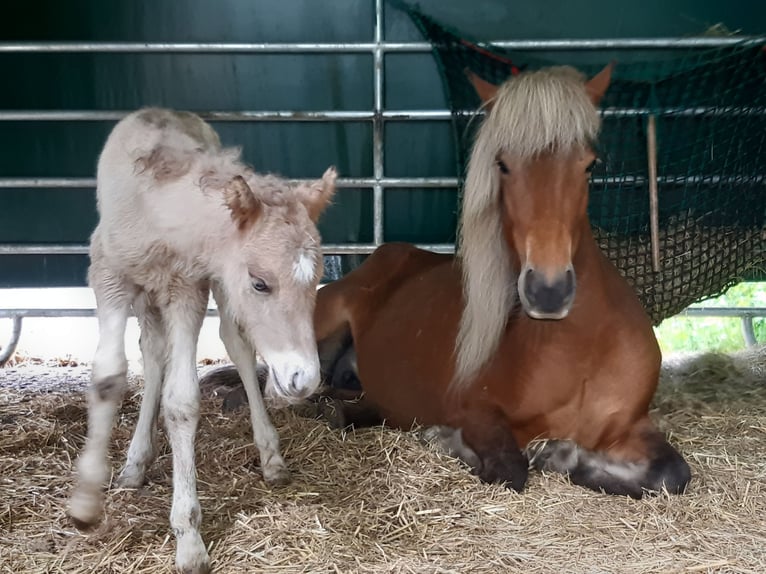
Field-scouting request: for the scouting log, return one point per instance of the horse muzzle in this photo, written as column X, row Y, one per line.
column 293, row 380
column 546, row 296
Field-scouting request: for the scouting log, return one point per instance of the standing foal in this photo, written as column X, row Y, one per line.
column 179, row 217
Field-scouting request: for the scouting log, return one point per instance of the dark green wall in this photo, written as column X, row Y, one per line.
column 268, row 82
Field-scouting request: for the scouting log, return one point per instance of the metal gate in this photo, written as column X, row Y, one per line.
column 379, row 118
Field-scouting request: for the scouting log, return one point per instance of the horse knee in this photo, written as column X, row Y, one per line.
column 110, row 388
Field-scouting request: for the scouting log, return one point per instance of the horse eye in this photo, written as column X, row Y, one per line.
column 260, row 285
column 503, row 168
column 591, row 165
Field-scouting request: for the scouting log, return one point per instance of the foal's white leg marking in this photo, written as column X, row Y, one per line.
column 264, row 434
column 108, row 382
column 180, row 400
column 143, row 446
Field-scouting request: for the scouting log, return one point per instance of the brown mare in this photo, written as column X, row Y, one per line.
column 529, row 343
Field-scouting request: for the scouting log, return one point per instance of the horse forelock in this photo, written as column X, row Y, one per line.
column 543, row 111
column 534, row 113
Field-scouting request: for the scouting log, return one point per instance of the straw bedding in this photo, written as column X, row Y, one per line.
column 379, row 501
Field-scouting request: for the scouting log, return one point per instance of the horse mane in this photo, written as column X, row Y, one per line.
column 543, row 111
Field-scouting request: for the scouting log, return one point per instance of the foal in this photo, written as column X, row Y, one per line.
column 179, row 217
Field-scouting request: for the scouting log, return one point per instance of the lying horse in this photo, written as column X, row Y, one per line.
column 529, row 344
column 180, row 216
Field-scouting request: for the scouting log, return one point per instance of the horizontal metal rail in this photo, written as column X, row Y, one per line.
column 355, row 115
column 695, row 42
column 58, row 313
column 724, row 312
column 405, row 182
column 82, row 248
column 346, row 182
column 89, row 312
column 745, row 314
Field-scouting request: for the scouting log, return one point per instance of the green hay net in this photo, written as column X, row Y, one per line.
column 710, row 110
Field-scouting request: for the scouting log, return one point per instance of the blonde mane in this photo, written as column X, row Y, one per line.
column 535, row 112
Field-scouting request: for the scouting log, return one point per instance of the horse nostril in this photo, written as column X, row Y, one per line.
column 294, row 382
column 569, row 282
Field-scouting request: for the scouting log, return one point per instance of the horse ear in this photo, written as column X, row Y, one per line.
column 484, row 89
column 316, row 195
column 239, row 198
column 598, row 84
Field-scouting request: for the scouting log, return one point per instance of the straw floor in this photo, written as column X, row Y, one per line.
column 379, row 501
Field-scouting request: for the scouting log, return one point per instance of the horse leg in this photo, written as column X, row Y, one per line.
column 485, row 443
column 108, row 384
column 180, row 401
column 643, row 462
column 143, row 445
column 489, row 436
column 265, row 436
column 343, row 408
column 450, row 441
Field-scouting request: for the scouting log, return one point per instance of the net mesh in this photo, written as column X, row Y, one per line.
column 710, row 113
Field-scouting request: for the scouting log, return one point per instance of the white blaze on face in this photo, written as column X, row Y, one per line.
column 305, row 267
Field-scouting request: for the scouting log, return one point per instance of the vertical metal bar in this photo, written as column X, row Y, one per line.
column 654, row 221
column 377, row 126
column 748, row 331
column 7, row 352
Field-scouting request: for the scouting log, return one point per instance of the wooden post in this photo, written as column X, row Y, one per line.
column 654, row 218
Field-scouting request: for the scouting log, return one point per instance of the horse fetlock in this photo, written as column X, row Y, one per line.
column 450, row 441
column 553, row 455
column 191, row 554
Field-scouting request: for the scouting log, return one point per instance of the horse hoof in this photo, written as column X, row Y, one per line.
column 83, row 525
column 85, row 509
column 331, row 411
column 191, row 555
column 276, row 476
column 234, row 400
column 131, row 477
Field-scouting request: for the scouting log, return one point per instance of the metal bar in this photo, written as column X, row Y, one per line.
column 654, row 209
column 668, row 43
column 422, row 182
column 348, row 182
column 88, row 312
column 353, row 115
column 53, row 312
column 748, row 331
column 42, row 249
column 362, row 248
column 212, row 116
column 377, row 128
column 82, row 249
column 7, row 351
column 724, row 312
